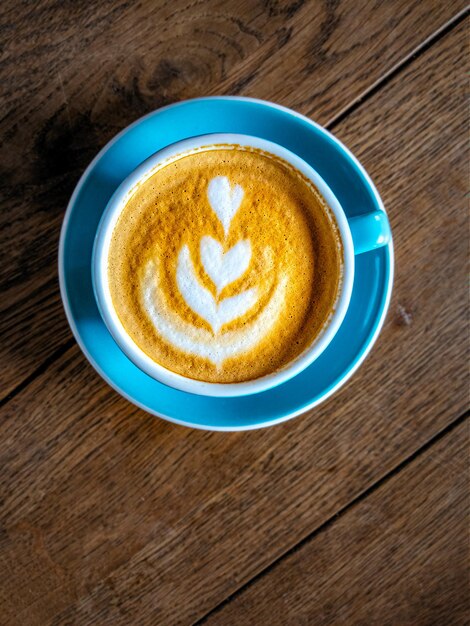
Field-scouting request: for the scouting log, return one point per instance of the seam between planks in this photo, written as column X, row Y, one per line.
column 423, row 47
column 351, row 108
column 61, row 350
column 336, row 516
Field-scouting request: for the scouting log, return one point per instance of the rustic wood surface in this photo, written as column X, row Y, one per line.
column 394, row 558
column 354, row 513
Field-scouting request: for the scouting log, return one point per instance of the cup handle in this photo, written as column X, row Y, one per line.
column 370, row 231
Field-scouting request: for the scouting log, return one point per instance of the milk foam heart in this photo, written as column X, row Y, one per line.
column 224, row 269
column 224, row 199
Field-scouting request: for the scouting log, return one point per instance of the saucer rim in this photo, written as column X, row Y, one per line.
column 356, row 363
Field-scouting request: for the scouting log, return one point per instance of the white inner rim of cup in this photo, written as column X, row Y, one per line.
column 100, row 266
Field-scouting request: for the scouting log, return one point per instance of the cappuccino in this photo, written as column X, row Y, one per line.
column 225, row 265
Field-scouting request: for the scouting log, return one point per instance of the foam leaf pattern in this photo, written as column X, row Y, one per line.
column 202, row 302
column 200, row 341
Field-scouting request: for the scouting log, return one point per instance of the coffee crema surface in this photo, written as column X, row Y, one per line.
column 225, row 265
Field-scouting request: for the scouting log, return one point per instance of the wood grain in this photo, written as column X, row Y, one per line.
column 72, row 76
column 111, row 516
column 399, row 557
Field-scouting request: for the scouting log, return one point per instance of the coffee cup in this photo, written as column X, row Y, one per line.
column 354, row 236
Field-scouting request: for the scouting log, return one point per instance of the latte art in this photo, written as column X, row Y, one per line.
column 222, row 268
column 225, row 265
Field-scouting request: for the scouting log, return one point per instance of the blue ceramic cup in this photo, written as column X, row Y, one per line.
column 358, row 234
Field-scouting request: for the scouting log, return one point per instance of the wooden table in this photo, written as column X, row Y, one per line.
column 355, row 513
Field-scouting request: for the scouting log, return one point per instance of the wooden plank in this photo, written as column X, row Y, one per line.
column 73, row 77
column 128, row 519
column 398, row 557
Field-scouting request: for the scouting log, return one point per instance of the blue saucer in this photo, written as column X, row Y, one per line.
column 341, row 171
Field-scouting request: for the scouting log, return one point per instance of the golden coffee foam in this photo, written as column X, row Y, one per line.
column 225, row 265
